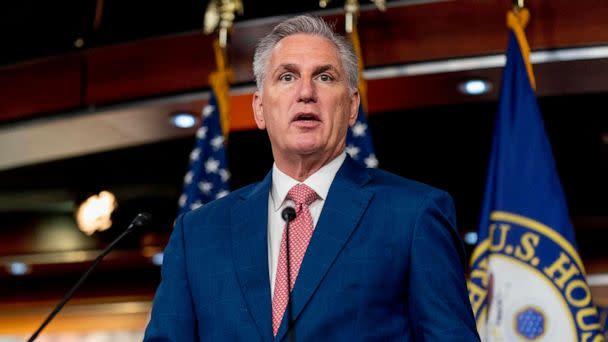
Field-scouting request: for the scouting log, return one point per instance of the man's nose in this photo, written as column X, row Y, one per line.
column 307, row 91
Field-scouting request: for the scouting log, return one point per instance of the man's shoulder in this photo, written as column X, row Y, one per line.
column 384, row 182
column 407, row 196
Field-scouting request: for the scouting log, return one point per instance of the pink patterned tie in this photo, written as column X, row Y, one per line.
column 300, row 231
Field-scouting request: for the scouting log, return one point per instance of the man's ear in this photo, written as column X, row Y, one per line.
column 258, row 112
column 354, row 108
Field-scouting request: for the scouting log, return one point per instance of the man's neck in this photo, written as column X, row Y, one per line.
column 302, row 167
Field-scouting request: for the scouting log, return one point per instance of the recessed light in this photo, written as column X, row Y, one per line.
column 475, row 87
column 470, row 238
column 183, row 120
column 18, row 268
column 157, row 259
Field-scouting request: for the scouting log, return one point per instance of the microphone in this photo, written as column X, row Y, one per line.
column 289, row 214
column 142, row 219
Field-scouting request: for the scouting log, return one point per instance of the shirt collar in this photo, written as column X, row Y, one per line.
column 320, row 181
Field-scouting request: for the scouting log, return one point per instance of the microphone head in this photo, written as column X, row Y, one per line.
column 288, row 214
column 142, row 219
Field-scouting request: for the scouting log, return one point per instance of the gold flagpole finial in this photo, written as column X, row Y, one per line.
column 518, row 5
column 212, row 17
column 380, row 4
column 351, row 7
column 221, row 14
column 227, row 14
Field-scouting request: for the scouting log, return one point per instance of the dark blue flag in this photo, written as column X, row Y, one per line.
column 603, row 310
column 207, row 177
column 359, row 142
column 527, row 280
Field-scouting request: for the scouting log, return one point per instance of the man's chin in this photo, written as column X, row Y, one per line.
column 308, row 151
column 307, row 145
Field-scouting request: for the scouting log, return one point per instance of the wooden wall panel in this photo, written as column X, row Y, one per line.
column 147, row 68
column 241, row 113
column 42, row 86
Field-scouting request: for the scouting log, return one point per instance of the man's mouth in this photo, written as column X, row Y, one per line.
column 306, row 117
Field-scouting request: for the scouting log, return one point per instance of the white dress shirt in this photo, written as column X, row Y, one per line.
column 319, row 181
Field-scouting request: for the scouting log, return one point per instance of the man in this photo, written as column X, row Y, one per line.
column 372, row 256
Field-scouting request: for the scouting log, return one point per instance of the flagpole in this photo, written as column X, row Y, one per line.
column 208, row 176
column 518, row 4
column 220, row 15
column 359, row 145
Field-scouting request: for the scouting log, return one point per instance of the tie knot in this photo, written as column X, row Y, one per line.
column 302, row 194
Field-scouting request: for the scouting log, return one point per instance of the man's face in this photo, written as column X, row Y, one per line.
column 305, row 103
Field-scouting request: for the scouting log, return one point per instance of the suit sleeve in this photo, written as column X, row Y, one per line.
column 173, row 317
column 438, row 300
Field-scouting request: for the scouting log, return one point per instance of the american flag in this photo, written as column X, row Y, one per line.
column 207, row 177
column 359, row 142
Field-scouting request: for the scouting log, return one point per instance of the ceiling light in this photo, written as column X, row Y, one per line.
column 475, row 87
column 18, row 268
column 157, row 259
column 599, row 279
column 183, row 120
column 470, row 238
column 94, row 214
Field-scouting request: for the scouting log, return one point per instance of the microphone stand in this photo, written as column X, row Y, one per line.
column 289, row 214
column 140, row 220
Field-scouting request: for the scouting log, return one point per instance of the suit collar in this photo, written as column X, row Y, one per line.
column 346, row 202
column 320, row 181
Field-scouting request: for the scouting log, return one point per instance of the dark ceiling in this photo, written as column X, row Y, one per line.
column 33, row 29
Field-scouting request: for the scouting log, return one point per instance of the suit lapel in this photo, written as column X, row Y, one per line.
column 345, row 204
column 249, row 226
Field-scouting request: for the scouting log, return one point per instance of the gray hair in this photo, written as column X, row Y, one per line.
column 308, row 25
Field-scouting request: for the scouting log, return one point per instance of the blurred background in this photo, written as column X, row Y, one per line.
column 89, row 90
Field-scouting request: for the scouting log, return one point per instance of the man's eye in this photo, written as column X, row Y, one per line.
column 286, row 77
column 325, row 78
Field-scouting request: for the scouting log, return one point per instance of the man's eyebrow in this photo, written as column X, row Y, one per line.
column 288, row 67
column 317, row 70
column 323, row 68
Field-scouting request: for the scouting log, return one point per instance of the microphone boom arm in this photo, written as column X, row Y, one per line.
column 140, row 220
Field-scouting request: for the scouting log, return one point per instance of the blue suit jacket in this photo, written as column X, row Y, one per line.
column 384, row 263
